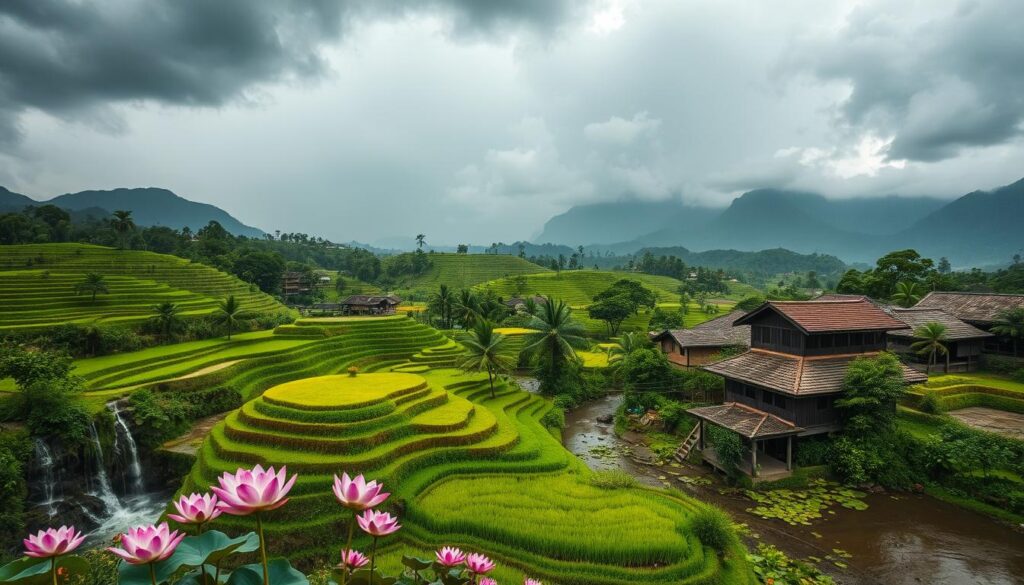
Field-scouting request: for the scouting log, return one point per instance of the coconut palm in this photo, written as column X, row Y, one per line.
column 1010, row 324
column 486, row 351
column 228, row 314
column 930, row 337
column 628, row 343
column 165, row 317
column 443, row 303
column 467, row 308
column 123, row 224
column 907, row 293
column 421, row 239
column 93, row 284
column 557, row 336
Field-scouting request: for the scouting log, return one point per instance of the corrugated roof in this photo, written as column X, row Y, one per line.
column 856, row 314
column 983, row 308
column 955, row 328
column 745, row 420
column 717, row 332
column 795, row 375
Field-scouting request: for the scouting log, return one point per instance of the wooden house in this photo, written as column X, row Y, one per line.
column 964, row 342
column 786, row 385
column 982, row 310
column 702, row 343
column 370, row 305
column 294, row 283
column 518, row 304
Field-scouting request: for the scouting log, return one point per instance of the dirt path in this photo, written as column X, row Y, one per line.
column 189, row 443
column 1008, row 424
column 195, row 374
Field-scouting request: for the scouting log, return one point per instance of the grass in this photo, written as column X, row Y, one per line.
column 460, row 271
column 342, row 391
column 956, row 391
column 37, row 286
column 594, row 359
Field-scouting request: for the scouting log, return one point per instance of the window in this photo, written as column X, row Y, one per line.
column 856, row 339
column 766, row 397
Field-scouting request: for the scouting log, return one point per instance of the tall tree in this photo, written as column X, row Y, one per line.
column 421, row 239
column 612, row 310
column 93, row 284
column 124, row 225
column 556, row 338
column 908, row 293
column 871, row 389
column 166, row 317
column 1011, row 325
column 443, row 304
column 930, row 342
column 228, row 314
column 486, row 351
column 466, row 308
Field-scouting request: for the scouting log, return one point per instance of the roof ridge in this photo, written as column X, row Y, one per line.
column 970, row 292
column 764, row 417
column 799, row 375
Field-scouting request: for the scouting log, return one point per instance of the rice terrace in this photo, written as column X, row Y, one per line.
column 578, row 292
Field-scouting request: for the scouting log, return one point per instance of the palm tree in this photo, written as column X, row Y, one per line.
column 907, row 293
column 931, row 336
column 421, row 239
column 627, row 344
column 487, row 351
column 443, row 302
column 92, row 284
column 165, row 317
column 557, row 336
column 1011, row 324
column 123, row 225
column 467, row 308
column 228, row 314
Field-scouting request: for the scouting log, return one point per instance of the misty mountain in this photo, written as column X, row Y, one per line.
column 11, row 201
column 619, row 221
column 149, row 206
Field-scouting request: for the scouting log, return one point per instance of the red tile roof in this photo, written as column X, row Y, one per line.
column 855, row 314
column 746, row 420
column 981, row 308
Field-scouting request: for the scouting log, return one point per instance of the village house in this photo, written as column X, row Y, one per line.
column 982, row 310
column 702, row 344
column 370, row 305
column 518, row 304
column 964, row 342
column 294, row 283
column 786, row 385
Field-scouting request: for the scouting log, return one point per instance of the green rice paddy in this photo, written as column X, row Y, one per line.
column 466, row 270
column 37, row 286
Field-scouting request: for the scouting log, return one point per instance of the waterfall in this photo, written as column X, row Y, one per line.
column 45, row 461
column 134, row 467
column 103, row 489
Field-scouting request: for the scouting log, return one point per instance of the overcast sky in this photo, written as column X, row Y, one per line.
column 475, row 120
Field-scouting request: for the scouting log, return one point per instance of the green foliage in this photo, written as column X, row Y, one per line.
column 612, row 479
column 158, row 417
column 929, row 403
column 804, row 506
column 812, row 451
column 27, row 367
column 673, row 414
column 871, row 389
column 771, row 565
column 728, row 446
column 554, row 418
column 48, row 400
column 612, row 310
column 15, row 449
column 664, row 319
column 713, row 528
column 93, row 284
column 486, row 351
column 750, row 303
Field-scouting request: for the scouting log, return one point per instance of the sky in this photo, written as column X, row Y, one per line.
column 476, row 121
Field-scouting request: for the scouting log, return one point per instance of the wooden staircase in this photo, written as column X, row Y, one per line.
column 691, row 440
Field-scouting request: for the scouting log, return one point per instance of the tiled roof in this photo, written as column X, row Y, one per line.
column 983, row 308
column 955, row 328
column 718, row 332
column 855, row 314
column 796, row 375
column 745, row 420
column 371, row 300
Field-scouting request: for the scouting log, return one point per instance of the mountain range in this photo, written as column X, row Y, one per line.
column 150, row 206
column 980, row 228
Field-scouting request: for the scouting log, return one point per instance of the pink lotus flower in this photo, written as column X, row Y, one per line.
column 450, row 556
column 356, row 494
column 378, row 523
column 478, row 563
column 532, row 582
column 196, row 509
column 253, row 490
column 147, row 544
column 488, row 581
column 353, row 559
column 53, row 542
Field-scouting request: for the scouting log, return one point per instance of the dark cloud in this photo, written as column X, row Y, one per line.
column 937, row 80
column 71, row 58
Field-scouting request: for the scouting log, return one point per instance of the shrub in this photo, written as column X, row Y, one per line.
column 554, row 419
column 14, row 449
column 713, row 528
column 158, row 417
column 51, row 408
column 673, row 413
column 929, row 403
column 812, row 451
column 1002, row 364
column 728, row 446
column 612, row 479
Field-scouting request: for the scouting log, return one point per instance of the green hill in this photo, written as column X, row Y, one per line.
column 578, row 287
column 465, row 270
column 37, row 286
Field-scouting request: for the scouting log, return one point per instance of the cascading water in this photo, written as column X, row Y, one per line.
column 100, row 480
column 45, row 462
column 134, row 467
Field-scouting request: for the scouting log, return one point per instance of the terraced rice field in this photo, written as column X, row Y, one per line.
column 37, row 286
column 578, row 287
column 466, row 270
column 956, row 391
column 464, row 469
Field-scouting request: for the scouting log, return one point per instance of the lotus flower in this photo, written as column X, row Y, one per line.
column 532, row 582
column 253, row 490
column 196, row 509
column 378, row 524
column 356, row 494
column 353, row 559
column 487, row 581
column 450, row 556
column 53, row 542
column 478, row 563
column 147, row 544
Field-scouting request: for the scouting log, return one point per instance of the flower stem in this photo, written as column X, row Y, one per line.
column 152, row 573
column 263, row 549
column 348, row 545
column 53, row 569
column 373, row 557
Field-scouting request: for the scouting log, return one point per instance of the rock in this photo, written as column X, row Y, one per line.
column 918, row 488
column 605, row 419
column 877, row 489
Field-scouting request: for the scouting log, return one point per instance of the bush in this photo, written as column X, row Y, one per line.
column 674, row 413
column 554, row 419
column 158, row 417
column 15, row 448
column 812, row 451
column 929, row 403
column 728, row 446
column 713, row 528
column 612, row 479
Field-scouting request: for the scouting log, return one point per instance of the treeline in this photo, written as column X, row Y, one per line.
column 905, row 274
